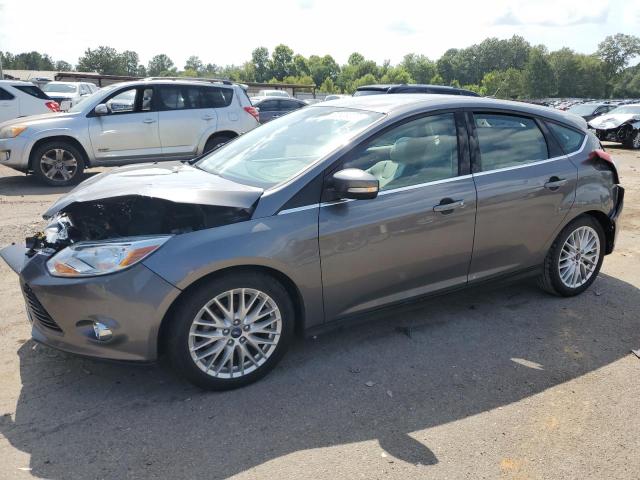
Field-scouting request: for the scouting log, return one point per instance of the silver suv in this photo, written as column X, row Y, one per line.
column 145, row 120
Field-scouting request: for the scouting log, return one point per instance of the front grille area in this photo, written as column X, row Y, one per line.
column 37, row 311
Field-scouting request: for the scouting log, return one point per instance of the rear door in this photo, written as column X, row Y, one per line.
column 416, row 237
column 526, row 187
column 187, row 114
column 130, row 130
column 8, row 105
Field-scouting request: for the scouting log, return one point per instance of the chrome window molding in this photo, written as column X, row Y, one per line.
column 436, row 182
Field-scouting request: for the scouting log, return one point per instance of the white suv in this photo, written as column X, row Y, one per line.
column 19, row 99
column 131, row 122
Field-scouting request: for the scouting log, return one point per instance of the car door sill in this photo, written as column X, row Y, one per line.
column 364, row 315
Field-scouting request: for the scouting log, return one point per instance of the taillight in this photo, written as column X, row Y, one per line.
column 53, row 106
column 253, row 111
column 602, row 155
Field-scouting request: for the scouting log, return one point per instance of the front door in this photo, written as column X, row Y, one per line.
column 524, row 192
column 130, row 130
column 407, row 241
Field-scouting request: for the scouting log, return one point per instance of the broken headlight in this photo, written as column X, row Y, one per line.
column 88, row 259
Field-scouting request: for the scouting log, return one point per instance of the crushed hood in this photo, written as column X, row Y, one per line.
column 606, row 121
column 171, row 181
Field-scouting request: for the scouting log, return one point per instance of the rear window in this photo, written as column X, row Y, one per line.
column 215, row 97
column 31, row 90
column 4, row 95
column 569, row 139
column 508, row 141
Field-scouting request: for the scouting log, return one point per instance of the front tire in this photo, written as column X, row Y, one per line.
column 58, row 163
column 574, row 259
column 231, row 331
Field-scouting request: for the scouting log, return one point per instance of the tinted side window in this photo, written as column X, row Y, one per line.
column 569, row 139
column 288, row 105
column 419, row 151
column 508, row 141
column 269, row 106
column 171, row 98
column 4, row 95
column 31, row 90
column 215, row 97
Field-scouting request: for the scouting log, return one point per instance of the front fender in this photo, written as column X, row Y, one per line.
column 285, row 243
column 79, row 135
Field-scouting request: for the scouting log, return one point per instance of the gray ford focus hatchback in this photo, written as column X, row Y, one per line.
column 322, row 215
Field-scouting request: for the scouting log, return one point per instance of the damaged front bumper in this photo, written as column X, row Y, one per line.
column 63, row 311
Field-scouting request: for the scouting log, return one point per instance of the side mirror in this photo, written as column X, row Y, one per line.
column 355, row 184
column 101, row 109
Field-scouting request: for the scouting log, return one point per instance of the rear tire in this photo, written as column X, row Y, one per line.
column 58, row 163
column 216, row 142
column 574, row 259
column 231, row 331
column 633, row 142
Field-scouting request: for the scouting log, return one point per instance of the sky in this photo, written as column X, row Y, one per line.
column 225, row 32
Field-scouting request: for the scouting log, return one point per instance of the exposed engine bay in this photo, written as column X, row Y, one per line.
column 127, row 216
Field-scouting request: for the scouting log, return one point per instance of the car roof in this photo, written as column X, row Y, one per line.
column 398, row 105
column 260, row 100
column 16, row 82
column 172, row 81
column 392, row 86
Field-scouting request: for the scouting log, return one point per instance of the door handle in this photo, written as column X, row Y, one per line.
column 208, row 117
column 448, row 205
column 148, row 120
column 555, row 183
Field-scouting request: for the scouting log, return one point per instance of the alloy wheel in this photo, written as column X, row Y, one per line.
column 58, row 164
column 235, row 333
column 579, row 257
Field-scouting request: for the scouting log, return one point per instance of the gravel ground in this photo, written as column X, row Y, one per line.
column 500, row 382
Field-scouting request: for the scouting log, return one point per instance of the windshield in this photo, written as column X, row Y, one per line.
column 633, row 109
column 60, row 88
column 362, row 93
column 279, row 150
column 582, row 109
column 103, row 92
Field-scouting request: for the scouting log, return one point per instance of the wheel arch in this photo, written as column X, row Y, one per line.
column 65, row 138
column 285, row 280
column 608, row 227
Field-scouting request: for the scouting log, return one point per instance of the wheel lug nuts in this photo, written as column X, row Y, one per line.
column 242, row 339
column 225, row 331
column 246, row 328
column 236, row 322
column 230, row 342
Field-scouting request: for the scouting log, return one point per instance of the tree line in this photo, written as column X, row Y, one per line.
column 504, row 68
